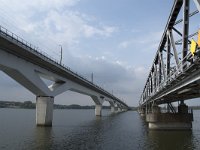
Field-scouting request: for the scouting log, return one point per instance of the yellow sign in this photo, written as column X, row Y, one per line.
column 193, row 47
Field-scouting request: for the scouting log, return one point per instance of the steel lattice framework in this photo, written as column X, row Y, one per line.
column 175, row 72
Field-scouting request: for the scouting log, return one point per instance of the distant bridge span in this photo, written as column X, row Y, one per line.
column 26, row 65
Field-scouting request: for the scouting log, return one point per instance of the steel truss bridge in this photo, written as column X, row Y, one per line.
column 175, row 72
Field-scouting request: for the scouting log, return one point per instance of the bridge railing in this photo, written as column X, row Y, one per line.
column 34, row 49
column 23, row 42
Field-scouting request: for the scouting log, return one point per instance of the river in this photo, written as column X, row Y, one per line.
column 81, row 130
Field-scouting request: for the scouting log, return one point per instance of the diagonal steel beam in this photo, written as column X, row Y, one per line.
column 197, row 3
column 179, row 33
column 162, row 66
column 190, row 15
column 189, row 36
column 174, row 49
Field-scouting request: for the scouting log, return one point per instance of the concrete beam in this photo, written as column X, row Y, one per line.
column 97, row 100
column 112, row 106
column 44, row 111
column 23, row 72
column 170, row 121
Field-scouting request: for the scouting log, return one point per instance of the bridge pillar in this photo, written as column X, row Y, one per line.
column 142, row 111
column 112, row 106
column 170, row 121
column 155, row 109
column 98, row 110
column 44, row 110
column 119, row 109
column 123, row 109
column 112, row 109
column 182, row 108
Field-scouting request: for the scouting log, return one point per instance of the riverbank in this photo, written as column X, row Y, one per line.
column 31, row 105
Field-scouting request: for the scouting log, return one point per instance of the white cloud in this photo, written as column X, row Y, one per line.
column 150, row 40
column 19, row 6
column 126, row 81
column 52, row 22
column 136, row 30
column 106, row 31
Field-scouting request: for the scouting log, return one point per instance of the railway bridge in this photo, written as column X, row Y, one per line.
column 175, row 73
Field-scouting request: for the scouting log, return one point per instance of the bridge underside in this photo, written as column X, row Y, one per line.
column 185, row 86
column 31, row 77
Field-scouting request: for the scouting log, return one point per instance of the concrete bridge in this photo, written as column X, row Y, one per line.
column 175, row 72
column 26, row 65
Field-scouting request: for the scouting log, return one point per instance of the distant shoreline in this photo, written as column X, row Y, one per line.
column 31, row 105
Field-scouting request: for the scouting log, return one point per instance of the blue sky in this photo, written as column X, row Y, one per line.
column 114, row 39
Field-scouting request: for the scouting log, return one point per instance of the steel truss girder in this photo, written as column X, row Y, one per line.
column 162, row 73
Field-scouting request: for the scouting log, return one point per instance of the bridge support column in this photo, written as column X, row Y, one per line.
column 123, row 109
column 98, row 110
column 44, row 111
column 142, row 111
column 155, row 109
column 119, row 109
column 170, row 121
column 112, row 106
column 182, row 108
column 112, row 109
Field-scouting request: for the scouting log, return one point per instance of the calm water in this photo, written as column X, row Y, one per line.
column 81, row 130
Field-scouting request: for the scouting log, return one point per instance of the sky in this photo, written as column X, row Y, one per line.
column 116, row 40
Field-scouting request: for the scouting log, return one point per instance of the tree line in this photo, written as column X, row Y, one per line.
column 31, row 105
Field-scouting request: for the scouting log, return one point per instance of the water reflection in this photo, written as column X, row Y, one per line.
column 42, row 139
column 81, row 130
column 170, row 140
column 87, row 136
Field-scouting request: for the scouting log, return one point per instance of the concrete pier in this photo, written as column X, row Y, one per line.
column 170, row 121
column 112, row 109
column 142, row 111
column 182, row 108
column 44, row 111
column 98, row 110
column 119, row 109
